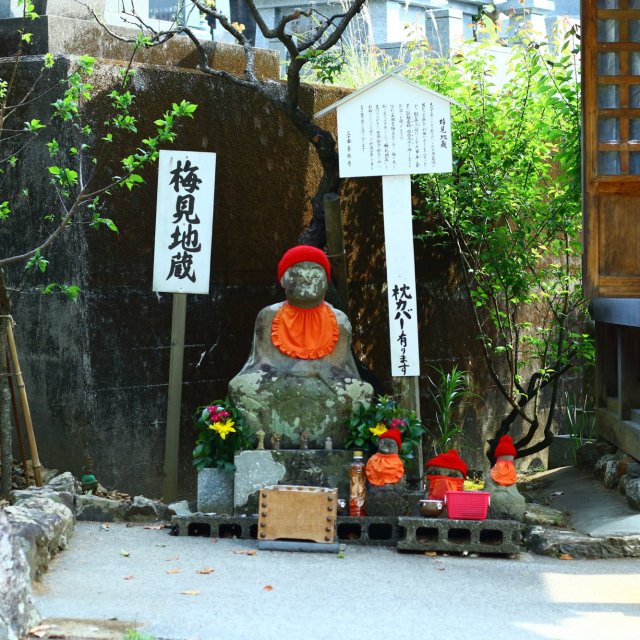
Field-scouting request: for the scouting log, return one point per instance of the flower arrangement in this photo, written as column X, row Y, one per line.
column 221, row 432
column 367, row 423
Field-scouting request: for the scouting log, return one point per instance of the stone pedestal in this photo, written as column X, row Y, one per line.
column 311, row 468
column 215, row 491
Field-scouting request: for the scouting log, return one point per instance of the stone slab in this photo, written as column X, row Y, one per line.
column 473, row 536
column 558, row 542
column 296, row 545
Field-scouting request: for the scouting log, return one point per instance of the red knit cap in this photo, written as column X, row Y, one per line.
column 303, row 253
column 505, row 447
column 394, row 434
column 449, row 460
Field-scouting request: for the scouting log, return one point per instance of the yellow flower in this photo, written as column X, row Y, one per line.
column 223, row 428
column 379, row 429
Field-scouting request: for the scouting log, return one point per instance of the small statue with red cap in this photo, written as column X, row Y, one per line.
column 300, row 375
column 387, row 491
column 506, row 501
column 445, row 472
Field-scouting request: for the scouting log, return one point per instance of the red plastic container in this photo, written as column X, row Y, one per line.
column 467, row 505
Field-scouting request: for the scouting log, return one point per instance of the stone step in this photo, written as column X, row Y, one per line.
column 408, row 534
column 472, row 536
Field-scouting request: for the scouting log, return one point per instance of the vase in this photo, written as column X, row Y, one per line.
column 215, row 491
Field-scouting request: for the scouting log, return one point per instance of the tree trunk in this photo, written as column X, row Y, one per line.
column 6, row 455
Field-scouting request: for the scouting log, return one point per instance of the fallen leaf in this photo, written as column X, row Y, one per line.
column 430, row 553
column 154, row 526
column 565, row 556
column 172, row 559
column 176, row 570
column 246, row 552
column 267, row 588
column 124, row 553
column 190, row 593
column 205, row 571
column 558, row 493
column 41, row 630
column 129, row 577
column 105, row 527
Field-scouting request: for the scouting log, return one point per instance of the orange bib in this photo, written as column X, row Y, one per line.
column 384, row 468
column 305, row 333
column 439, row 485
column 504, row 473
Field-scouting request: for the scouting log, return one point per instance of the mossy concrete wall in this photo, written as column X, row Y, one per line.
column 97, row 369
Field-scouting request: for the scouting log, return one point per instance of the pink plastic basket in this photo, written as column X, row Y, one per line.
column 467, row 505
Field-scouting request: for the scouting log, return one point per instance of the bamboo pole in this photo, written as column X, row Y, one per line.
column 35, row 459
column 16, row 417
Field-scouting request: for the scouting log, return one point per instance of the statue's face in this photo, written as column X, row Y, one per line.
column 387, row 445
column 305, row 284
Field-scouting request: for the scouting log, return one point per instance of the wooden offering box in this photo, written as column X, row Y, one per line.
column 297, row 513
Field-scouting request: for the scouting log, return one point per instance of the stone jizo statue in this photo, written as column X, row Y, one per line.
column 300, row 370
column 506, row 501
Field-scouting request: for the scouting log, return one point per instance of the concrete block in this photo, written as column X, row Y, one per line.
column 474, row 536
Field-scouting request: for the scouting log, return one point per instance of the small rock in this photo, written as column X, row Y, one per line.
column 622, row 484
column 17, row 496
column 601, row 464
column 178, row 509
column 538, row 514
column 633, row 493
column 633, row 469
column 64, row 482
column 610, row 474
column 98, row 509
column 142, row 510
column 49, row 474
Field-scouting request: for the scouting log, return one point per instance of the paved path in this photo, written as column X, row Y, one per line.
column 165, row 585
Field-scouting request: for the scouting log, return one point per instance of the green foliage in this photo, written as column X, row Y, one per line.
column 449, row 391
column 36, row 261
column 383, row 413
column 221, row 432
column 511, row 208
column 325, row 66
column 132, row 634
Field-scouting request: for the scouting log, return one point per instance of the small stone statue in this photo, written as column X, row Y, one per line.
column 445, row 472
column 386, row 467
column 261, row 434
column 275, row 441
column 304, row 440
column 506, row 501
column 328, row 444
column 387, row 491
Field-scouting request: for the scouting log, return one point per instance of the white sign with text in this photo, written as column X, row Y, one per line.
column 184, row 221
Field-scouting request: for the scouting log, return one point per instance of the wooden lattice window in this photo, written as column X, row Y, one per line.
column 611, row 93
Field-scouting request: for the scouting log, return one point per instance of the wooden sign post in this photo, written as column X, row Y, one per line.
column 394, row 128
column 182, row 259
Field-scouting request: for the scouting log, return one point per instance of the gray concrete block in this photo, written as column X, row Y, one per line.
column 473, row 536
